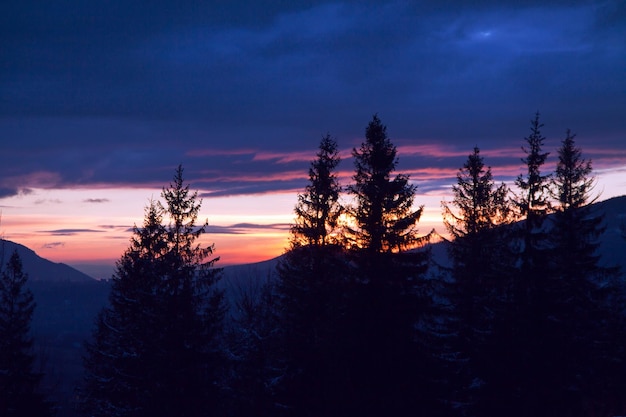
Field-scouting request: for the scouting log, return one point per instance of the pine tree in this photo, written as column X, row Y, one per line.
column 533, row 204
column 579, row 288
column 254, row 348
column 318, row 208
column 576, row 228
column 385, row 302
column 19, row 384
column 480, row 206
column 384, row 219
column 155, row 349
column 513, row 384
column 479, row 250
column 310, row 290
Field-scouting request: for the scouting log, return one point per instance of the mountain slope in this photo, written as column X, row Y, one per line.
column 38, row 268
column 612, row 248
column 612, row 241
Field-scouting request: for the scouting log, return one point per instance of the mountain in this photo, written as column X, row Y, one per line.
column 612, row 248
column 613, row 240
column 38, row 268
column 67, row 302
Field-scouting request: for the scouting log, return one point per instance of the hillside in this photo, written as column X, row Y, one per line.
column 613, row 242
column 38, row 268
column 612, row 250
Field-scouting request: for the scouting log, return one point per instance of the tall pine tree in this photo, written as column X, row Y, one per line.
column 533, row 203
column 318, row 208
column 385, row 304
column 478, row 250
column 19, row 383
column 155, row 349
column 383, row 216
column 513, row 385
column 311, row 291
column 579, row 287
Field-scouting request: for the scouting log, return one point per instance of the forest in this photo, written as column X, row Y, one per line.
column 359, row 319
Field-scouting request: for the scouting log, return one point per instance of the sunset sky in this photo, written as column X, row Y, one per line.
column 101, row 100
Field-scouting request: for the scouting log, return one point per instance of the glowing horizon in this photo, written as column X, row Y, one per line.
column 75, row 227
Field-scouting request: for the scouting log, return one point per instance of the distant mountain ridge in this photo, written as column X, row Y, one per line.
column 612, row 249
column 40, row 269
column 612, row 241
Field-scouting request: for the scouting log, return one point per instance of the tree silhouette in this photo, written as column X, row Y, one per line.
column 385, row 299
column 579, row 289
column 479, row 205
column 383, row 215
column 155, row 349
column 533, row 204
column 253, row 349
column 513, row 384
column 311, row 295
column 479, row 252
column 19, row 384
column 318, row 208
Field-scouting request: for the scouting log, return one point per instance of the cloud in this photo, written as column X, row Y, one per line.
column 241, row 95
column 96, row 200
column 70, row 232
column 13, row 191
column 284, row 157
column 219, row 152
column 245, row 228
column 254, row 189
column 48, row 200
column 53, row 245
column 274, row 226
column 114, row 227
column 8, row 192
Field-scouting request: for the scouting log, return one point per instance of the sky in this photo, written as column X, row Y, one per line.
column 100, row 101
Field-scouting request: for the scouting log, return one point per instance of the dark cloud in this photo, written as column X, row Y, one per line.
column 8, row 192
column 122, row 92
column 70, row 232
column 114, row 227
column 96, row 200
column 13, row 191
column 243, row 228
column 53, row 245
column 275, row 226
column 239, row 228
column 48, row 201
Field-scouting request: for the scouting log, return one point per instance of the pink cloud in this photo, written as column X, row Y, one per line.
column 262, row 177
column 37, row 179
column 431, row 149
column 284, row 157
column 219, row 152
column 441, row 151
